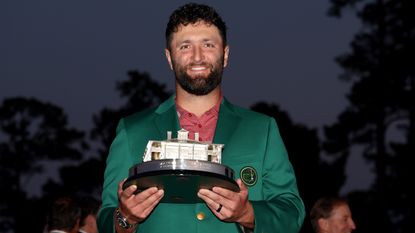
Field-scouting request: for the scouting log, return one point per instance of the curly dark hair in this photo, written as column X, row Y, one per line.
column 192, row 13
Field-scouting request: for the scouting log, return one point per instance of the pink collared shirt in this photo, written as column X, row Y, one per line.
column 205, row 125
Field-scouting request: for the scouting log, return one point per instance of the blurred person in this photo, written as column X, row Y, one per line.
column 89, row 210
column 268, row 201
column 63, row 216
column 331, row 215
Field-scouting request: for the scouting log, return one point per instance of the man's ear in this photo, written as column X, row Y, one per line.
column 225, row 56
column 168, row 56
column 75, row 228
column 323, row 224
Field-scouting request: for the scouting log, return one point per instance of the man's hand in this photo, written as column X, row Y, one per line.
column 137, row 207
column 230, row 206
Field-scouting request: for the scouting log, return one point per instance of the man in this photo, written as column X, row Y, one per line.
column 63, row 216
column 331, row 215
column 197, row 52
column 89, row 210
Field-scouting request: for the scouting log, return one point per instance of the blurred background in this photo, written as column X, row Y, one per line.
column 338, row 76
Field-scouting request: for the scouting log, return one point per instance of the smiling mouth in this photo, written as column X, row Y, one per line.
column 198, row 68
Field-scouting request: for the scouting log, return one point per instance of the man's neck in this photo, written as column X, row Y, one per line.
column 197, row 104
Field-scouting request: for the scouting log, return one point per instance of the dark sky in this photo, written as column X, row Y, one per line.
column 71, row 53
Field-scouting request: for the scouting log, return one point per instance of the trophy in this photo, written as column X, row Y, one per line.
column 181, row 167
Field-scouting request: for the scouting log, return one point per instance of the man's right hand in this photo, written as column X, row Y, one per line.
column 137, row 207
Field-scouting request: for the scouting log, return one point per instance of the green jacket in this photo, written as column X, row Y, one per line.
column 251, row 140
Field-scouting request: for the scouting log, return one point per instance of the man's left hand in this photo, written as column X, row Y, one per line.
column 230, row 206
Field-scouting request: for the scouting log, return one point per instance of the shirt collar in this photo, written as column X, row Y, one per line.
column 57, row 231
column 214, row 109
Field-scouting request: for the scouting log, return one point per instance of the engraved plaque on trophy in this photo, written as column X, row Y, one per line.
column 181, row 167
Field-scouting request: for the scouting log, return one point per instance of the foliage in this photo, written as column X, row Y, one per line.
column 32, row 132
column 381, row 69
column 140, row 92
column 316, row 177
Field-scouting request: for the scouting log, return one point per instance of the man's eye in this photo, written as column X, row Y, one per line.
column 184, row 47
column 209, row 45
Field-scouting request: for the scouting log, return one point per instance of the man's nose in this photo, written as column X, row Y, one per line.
column 352, row 224
column 198, row 53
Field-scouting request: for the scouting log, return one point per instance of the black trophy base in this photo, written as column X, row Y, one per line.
column 181, row 179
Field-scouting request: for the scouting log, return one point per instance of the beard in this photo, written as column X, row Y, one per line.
column 199, row 84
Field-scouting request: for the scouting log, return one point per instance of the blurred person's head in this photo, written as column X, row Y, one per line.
column 89, row 210
column 331, row 215
column 63, row 215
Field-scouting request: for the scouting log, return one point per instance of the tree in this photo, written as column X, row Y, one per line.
column 316, row 176
column 381, row 69
column 32, row 132
column 140, row 92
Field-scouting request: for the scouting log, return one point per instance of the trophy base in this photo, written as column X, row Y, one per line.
column 181, row 179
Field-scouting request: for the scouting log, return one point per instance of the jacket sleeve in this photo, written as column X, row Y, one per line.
column 282, row 209
column 118, row 162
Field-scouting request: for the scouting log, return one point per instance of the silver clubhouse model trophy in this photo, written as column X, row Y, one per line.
column 181, row 166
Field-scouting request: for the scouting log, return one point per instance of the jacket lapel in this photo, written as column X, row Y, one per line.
column 166, row 119
column 227, row 122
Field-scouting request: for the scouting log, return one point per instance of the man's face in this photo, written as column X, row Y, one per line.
column 197, row 57
column 340, row 221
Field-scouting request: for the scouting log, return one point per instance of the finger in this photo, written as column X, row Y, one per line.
column 243, row 193
column 226, row 196
column 219, row 195
column 154, row 200
column 120, row 184
column 120, row 191
column 208, row 196
column 241, row 185
column 148, row 194
column 129, row 191
column 205, row 196
column 213, row 203
column 144, row 209
column 125, row 196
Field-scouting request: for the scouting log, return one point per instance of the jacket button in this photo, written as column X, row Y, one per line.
column 200, row 216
